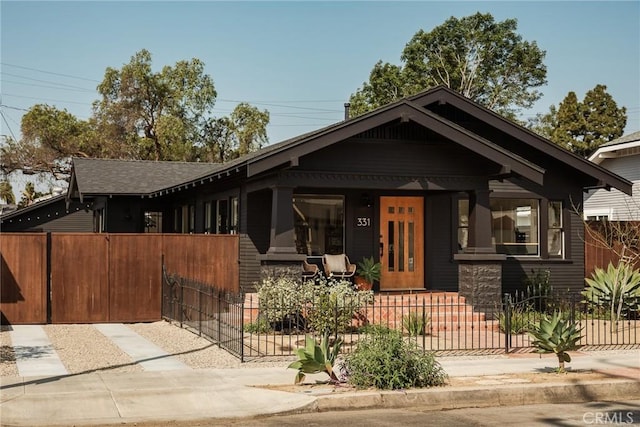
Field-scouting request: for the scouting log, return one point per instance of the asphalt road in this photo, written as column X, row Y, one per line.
column 561, row 415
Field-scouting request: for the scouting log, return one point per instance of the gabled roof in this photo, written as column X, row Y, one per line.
column 626, row 145
column 31, row 207
column 92, row 177
column 443, row 94
column 402, row 110
column 153, row 178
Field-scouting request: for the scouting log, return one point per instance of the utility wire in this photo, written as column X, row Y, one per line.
column 44, row 81
column 7, row 123
column 49, row 72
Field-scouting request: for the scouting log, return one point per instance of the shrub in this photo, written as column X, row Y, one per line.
column 520, row 320
column 616, row 289
column 328, row 305
column 333, row 305
column 384, row 360
column 260, row 326
column 281, row 296
column 415, row 323
column 539, row 289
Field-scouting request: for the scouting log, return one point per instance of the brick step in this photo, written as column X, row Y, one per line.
column 451, row 318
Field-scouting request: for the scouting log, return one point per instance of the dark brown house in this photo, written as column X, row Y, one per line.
column 52, row 214
column 445, row 193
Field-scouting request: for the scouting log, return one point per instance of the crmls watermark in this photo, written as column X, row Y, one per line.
column 617, row 417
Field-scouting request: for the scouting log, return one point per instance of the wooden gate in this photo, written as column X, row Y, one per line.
column 98, row 278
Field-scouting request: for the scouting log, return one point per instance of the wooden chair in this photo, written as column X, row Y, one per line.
column 309, row 271
column 338, row 266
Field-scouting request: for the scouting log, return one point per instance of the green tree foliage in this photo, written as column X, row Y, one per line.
column 582, row 127
column 484, row 60
column 142, row 114
column 29, row 195
column 6, row 193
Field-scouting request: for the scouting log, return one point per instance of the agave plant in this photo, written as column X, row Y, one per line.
column 556, row 334
column 616, row 289
column 314, row 358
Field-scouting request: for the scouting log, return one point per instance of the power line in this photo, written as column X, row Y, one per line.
column 48, row 87
column 7, row 123
column 49, row 72
column 44, row 99
column 44, row 81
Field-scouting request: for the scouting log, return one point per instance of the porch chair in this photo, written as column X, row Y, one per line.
column 309, row 271
column 338, row 266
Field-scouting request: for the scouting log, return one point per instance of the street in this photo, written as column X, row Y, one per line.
column 574, row 414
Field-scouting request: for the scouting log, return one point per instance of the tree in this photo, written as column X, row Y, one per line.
column 227, row 138
column 29, row 195
column 156, row 114
column 142, row 114
column 6, row 193
column 250, row 128
column 582, row 127
column 49, row 138
column 484, row 60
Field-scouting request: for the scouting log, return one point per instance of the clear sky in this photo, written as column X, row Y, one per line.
column 300, row 60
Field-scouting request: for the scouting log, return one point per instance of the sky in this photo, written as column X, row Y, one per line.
column 300, row 60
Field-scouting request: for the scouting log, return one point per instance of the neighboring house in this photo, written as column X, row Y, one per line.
column 445, row 193
column 621, row 156
column 51, row 213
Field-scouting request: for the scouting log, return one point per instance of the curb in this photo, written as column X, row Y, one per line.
column 474, row 397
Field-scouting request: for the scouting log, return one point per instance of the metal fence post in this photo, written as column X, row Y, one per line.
column 181, row 301
column 507, row 322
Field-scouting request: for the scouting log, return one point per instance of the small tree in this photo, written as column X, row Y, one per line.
column 556, row 335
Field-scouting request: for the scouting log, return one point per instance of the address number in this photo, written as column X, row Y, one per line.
column 363, row 221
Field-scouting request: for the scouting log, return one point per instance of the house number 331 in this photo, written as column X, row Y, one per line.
column 363, row 221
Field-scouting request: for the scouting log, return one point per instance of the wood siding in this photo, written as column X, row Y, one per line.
column 617, row 205
column 23, row 278
column 423, row 158
column 53, row 216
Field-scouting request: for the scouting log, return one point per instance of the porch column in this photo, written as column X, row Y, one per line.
column 281, row 258
column 282, row 232
column 479, row 267
column 479, row 223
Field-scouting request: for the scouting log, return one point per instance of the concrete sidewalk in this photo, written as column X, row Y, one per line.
column 103, row 398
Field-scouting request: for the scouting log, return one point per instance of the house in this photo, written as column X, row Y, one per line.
column 621, row 156
column 445, row 193
column 49, row 213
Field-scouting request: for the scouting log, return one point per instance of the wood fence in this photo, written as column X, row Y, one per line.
column 105, row 277
column 602, row 243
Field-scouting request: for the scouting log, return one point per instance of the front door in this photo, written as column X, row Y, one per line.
column 402, row 243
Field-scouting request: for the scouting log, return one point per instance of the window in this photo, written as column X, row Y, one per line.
column 319, row 224
column 153, row 222
column 98, row 221
column 555, row 232
column 184, row 219
column 222, row 224
column 233, row 226
column 208, row 218
column 515, row 226
column 463, row 223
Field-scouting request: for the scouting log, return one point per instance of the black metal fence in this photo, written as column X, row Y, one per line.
column 209, row 312
column 441, row 322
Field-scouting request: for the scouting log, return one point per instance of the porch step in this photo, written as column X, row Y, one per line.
column 447, row 311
